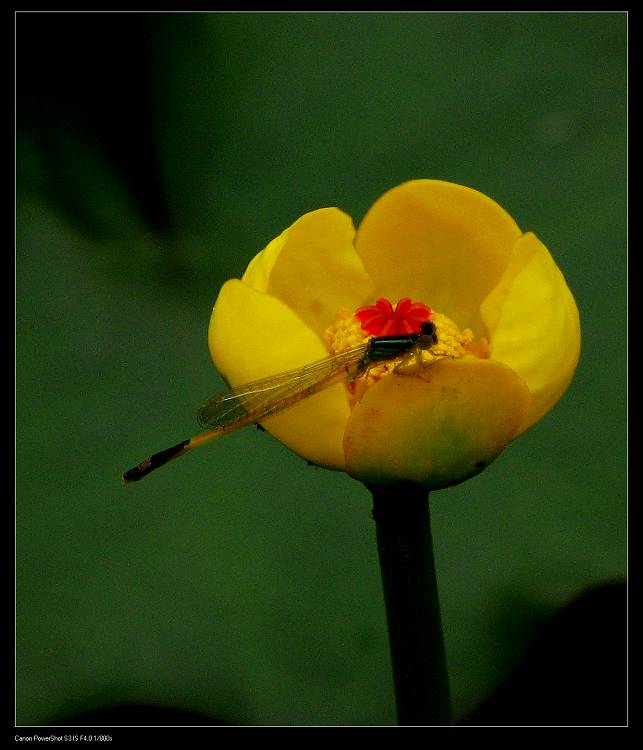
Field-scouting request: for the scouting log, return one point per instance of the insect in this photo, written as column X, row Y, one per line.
column 254, row 402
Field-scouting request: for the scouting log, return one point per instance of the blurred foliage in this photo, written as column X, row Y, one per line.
column 156, row 154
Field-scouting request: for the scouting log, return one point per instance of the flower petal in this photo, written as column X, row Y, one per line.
column 441, row 243
column 534, row 325
column 254, row 335
column 313, row 267
column 437, row 427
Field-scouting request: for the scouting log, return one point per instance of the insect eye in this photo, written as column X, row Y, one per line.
column 427, row 337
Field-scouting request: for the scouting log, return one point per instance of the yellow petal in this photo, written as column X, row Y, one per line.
column 534, row 325
column 253, row 335
column 441, row 243
column 438, row 427
column 313, row 267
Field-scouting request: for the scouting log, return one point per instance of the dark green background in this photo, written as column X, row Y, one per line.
column 156, row 154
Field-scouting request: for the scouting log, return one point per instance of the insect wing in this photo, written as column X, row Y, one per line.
column 268, row 396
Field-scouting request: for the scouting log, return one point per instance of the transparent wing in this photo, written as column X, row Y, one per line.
column 255, row 401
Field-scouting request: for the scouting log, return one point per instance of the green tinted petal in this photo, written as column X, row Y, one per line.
column 438, row 427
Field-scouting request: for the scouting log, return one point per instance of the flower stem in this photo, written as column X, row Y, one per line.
column 403, row 523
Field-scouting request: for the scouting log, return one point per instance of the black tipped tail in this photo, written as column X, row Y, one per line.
column 154, row 462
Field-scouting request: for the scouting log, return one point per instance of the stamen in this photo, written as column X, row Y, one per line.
column 384, row 319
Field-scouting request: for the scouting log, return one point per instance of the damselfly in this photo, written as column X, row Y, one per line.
column 254, row 402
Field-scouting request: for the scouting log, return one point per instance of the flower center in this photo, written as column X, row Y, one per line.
column 382, row 319
column 385, row 319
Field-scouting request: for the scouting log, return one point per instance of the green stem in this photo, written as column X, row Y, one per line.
column 403, row 524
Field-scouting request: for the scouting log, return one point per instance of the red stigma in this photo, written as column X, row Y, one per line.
column 382, row 319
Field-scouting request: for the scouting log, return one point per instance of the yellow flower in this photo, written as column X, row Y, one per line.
column 505, row 318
